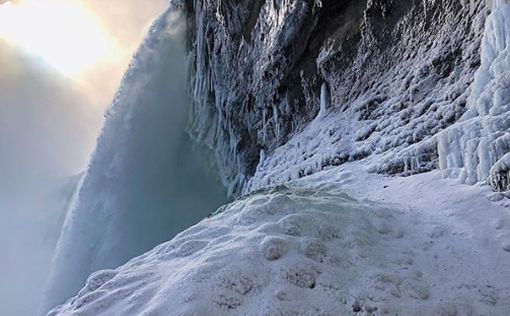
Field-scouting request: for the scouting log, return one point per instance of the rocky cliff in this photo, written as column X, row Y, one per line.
column 394, row 77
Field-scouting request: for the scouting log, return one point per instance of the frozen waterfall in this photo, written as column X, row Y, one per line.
column 474, row 149
column 146, row 180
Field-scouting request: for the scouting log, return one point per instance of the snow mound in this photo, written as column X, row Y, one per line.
column 296, row 251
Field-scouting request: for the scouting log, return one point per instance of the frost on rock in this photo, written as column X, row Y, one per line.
column 256, row 80
column 395, row 84
column 477, row 147
column 225, row 107
column 395, row 78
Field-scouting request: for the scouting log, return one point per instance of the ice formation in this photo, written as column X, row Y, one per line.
column 473, row 147
column 396, row 78
column 325, row 101
column 147, row 181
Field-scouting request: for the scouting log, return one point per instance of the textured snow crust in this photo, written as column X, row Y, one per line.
column 309, row 249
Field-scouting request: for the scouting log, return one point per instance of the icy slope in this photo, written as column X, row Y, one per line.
column 426, row 247
column 146, row 181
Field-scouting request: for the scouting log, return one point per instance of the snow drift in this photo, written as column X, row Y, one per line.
column 147, row 181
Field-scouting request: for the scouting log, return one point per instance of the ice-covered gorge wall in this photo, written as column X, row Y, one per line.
column 147, row 181
column 478, row 147
column 414, row 86
column 256, row 77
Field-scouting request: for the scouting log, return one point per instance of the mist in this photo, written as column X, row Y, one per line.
column 49, row 124
column 46, row 133
column 147, row 180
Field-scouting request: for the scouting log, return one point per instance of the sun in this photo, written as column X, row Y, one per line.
column 60, row 32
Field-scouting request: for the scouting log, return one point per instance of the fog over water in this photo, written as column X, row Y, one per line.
column 48, row 128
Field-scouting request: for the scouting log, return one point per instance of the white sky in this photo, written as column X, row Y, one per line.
column 50, row 114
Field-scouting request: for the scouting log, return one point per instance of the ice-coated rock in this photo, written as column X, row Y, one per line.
column 420, row 85
column 476, row 148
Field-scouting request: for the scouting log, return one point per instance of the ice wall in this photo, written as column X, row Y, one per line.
column 146, row 181
column 475, row 148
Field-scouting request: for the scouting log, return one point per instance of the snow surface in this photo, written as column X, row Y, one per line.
column 420, row 245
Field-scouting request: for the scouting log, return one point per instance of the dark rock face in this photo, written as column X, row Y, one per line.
column 500, row 174
column 400, row 69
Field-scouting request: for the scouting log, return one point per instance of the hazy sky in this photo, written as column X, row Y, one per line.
column 55, row 117
column 49, row 121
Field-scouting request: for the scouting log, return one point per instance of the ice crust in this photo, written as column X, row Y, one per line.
column 309, row 249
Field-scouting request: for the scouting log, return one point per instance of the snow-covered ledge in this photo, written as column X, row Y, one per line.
column 427, row 246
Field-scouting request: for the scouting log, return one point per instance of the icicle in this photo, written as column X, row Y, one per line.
column 264, row 126
column 276, row 122
column 325, row 100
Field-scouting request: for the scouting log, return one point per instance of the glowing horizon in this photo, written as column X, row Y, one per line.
column 63, row 33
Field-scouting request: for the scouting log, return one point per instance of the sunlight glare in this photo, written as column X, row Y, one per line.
column 61, row 32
